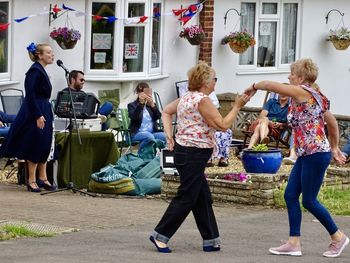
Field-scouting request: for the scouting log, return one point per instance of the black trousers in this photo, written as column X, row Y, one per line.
column 193, row 195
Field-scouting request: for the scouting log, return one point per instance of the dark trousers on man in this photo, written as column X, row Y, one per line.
column 193, row 195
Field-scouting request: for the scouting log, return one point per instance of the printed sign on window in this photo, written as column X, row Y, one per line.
column 100, row 57
column 101, row 41
column 265, row 28
column 131, row 51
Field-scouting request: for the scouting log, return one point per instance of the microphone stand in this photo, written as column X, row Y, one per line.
column 70, row 184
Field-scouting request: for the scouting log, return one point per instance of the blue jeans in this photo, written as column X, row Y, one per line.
column 146, row 137
column 306, row 178
column 346, row 148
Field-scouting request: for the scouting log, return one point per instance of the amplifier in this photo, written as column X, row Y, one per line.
column 61, row 124
column 86, row 105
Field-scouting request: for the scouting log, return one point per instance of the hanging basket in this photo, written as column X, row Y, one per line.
column 67, row 44
column 237, row 49
column 341, row 44
column 196, row 40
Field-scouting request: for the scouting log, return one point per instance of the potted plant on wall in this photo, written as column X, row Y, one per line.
column 340, row 38
column 194, row 34
column 239, row 41
column 261, row 159
column 65, row 37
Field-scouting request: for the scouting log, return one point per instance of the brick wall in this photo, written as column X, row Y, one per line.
column 206, row 20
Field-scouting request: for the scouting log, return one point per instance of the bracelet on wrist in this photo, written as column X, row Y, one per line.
column 254, row 87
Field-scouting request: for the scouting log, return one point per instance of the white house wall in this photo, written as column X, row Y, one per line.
column 179, row 56
column 334, row 65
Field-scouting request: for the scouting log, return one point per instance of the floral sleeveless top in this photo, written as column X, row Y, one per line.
column 192, row 129
column 307, row 121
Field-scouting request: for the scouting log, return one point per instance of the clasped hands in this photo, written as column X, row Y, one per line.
column 144, row 98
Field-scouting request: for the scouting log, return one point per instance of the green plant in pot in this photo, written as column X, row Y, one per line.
column 261, row 159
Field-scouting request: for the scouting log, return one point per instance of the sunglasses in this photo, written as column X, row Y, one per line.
column 82, row 80
column 216, row 79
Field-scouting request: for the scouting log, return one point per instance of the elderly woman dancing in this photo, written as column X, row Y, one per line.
column 307, row 115
column 197, row 119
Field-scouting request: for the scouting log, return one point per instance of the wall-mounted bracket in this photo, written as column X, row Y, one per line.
column 225, row 17
column 327, row 16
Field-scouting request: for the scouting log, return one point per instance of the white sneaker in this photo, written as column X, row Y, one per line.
column 288, row 160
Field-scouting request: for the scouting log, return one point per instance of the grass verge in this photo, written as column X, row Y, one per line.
column 335, row 198
column 8, row 232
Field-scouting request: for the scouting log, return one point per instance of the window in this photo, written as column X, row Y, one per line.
column 4, row 40
column 275, row 27
column 125, row 47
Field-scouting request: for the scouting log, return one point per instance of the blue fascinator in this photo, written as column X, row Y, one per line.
column 31, row 48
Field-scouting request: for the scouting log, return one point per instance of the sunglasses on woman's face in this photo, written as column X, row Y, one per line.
column 216, row 79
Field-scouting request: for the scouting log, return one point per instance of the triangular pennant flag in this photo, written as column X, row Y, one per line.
column 19, row 20
column 4, row 26
column 56, row 9
column 98, row 18
column 67, row 8
column 111, row 19
column 178, row 12
column 142, row 19
column 185, row 19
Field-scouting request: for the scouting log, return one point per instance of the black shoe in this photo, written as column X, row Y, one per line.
column 45, row 184
column 33, row 189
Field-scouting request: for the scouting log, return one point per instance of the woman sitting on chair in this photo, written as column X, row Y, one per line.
column 271, row 120
column 143, row 113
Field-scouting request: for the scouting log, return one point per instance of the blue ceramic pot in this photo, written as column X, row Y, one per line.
column 262, row 161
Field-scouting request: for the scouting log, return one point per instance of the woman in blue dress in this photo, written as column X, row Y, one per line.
column 30, row 136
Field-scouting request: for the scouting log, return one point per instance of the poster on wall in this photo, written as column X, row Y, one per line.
column 265, row 28
column 131, row 51
column 101, row 41
column 100, row 57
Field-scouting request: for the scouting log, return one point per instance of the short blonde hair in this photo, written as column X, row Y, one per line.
column 34, row 56
column 306, row 69
column 199, row 75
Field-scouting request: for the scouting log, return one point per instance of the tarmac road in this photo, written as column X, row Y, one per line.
column 117, row 230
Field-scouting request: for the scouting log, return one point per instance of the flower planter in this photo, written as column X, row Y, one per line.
column 237, row 49
column 67, row 44
column 341, row 44
column 196, row 40
column 262, row 161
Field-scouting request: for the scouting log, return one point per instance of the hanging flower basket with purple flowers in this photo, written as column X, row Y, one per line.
column 194, row 34
column 66, row 38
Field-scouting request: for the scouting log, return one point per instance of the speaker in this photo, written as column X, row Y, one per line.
column 86, row 105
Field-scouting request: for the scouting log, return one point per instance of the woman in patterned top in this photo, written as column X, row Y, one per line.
column 197, row 121
column 307, row 115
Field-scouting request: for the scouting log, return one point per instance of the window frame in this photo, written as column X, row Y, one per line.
column 121, row 11
column 6, row 76
column 259, row 17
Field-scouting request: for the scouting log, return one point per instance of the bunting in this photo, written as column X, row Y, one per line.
column 184, row 15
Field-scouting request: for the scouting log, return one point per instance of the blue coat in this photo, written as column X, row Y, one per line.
column 25, row 140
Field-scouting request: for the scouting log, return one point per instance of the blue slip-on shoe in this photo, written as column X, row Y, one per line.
column 211, row 248
column 44, row 184
column 160, row 249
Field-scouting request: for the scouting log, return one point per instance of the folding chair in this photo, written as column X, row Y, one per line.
column 123, row 137
column 283, row 134
column 11, row 100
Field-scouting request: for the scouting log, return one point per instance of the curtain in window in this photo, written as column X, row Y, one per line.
column 4, row 8
column 267, row 44
column 102, row 37
column 247, row 23
column 289, row 31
